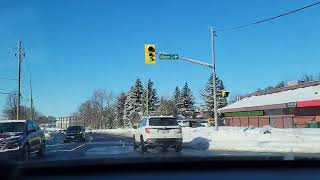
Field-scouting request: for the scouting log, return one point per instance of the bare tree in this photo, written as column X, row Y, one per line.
column 167, row 107
column 86, row 113
column 10, row 109
column 103, row 108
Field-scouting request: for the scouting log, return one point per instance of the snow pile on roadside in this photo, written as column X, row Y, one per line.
column 47, row 135
column 253, row 139
column 267, row 139
column 122, row 132
column 52, row 129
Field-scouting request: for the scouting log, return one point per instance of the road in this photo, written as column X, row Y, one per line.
column 105, row 145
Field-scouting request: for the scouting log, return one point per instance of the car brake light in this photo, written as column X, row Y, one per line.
column 147, row 130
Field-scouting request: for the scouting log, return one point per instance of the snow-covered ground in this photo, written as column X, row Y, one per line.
column 52, row 129
column 122, row 132
column 266, row 139
column 47, row 135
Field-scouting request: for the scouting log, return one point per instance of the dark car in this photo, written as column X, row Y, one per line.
column 21, row 138
column 75, row 133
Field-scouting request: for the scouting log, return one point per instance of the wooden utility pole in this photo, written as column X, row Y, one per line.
column 19, row 72
column 214, row 82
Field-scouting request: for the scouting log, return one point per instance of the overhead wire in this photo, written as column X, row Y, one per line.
column 268, row 19
column 10, row 79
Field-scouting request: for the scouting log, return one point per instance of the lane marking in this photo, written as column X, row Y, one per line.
column 69, row 150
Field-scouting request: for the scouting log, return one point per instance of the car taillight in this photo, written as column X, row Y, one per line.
column 147, row 130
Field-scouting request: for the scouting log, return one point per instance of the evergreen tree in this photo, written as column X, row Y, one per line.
column 128, row 109
column 137, row 96
column 119, row 110
column 208, row 95
column 133, row 104
column 153, row 100
column 187, row 106
column 177, row 98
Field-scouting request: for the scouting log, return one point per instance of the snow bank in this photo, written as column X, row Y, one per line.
column 47, row 136
column 122, row 132
column 52, row 129
column 266, row 139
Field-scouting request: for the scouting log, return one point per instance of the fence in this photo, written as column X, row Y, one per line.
column 281, row 121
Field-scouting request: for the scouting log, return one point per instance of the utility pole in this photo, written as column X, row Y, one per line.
column 19, row 72
column 31, row 101
column 214, row 82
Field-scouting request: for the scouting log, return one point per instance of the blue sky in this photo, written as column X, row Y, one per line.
column 73, row 47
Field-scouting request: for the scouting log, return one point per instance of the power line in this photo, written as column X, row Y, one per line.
column 3, row 89
column 10, row 79
column 269, row 19
column 7, row 93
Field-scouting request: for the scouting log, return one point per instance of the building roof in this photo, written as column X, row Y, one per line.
column 277, row 98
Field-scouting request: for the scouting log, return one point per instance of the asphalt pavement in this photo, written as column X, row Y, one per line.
column 103, row 145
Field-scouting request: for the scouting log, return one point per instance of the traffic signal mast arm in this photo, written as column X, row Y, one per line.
column 192, row 61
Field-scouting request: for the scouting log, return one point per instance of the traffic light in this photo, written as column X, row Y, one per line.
column 224, row 93
column 150, row 53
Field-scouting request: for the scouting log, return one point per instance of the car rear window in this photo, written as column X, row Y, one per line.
column 163, row 122
column 74, row 128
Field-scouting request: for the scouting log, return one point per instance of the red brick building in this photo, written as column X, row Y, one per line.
column 287, row 107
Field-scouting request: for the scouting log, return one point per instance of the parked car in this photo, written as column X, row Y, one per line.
column 21, row 138
column 158, row 131
column 204, row 123
column 194, row 124
column 75, row 133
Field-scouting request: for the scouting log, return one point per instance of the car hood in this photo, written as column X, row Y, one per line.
column 10, row 135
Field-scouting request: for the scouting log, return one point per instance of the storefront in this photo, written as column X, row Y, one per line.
column 286, row 107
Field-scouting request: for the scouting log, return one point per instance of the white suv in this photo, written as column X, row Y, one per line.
column 154, row 131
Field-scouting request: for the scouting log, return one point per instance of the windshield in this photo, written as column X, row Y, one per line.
column 12, row 127
column 163, row 122
column 74, row 128
column 234, row 78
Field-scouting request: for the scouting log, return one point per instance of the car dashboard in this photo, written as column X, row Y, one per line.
column 165, row 168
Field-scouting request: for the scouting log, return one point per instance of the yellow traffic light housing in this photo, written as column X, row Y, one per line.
column 224, row 93
column 150, row 53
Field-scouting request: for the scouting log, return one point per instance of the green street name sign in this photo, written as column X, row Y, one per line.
column 168, row 56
